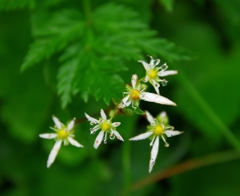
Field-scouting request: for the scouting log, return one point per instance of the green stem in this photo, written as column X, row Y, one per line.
column 208, row 110
column 126, row 167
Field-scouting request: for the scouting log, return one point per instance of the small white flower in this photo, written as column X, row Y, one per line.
column 157, row 129
column 106, row 127
column 135, row 93
column 63, row 134
column 153, row 73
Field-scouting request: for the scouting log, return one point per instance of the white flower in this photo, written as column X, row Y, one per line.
column 63, row 134
column 106, row 127
column 136, row 93
column 153, row 73
column 157, row 129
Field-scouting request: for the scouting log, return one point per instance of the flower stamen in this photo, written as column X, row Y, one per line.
column 62, row 134
column 152, row 74
column 135, row 94
column 106, row 126
column 158, row 130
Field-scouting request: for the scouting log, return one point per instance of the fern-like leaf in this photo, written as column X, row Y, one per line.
column 55, row 35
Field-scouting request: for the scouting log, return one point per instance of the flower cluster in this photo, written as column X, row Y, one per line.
column 159, row 127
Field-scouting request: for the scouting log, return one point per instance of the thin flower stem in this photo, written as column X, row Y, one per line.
column 208, row 110
column 186, row 166
column 141, row 79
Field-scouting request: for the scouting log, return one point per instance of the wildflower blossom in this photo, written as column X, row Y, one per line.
column 63, row 134
column 106, row 127
column 157, row 129
column 135, row 93
column 153, row 73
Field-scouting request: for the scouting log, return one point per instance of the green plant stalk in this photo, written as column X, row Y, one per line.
column 208, row 110
column 126, row 167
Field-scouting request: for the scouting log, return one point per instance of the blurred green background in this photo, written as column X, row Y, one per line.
column 202, row 161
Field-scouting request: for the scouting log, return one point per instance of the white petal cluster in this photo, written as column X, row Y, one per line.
column 135, row 93
column 153, row 73
column 156, row 130
column 63, row 134
column 106, row 126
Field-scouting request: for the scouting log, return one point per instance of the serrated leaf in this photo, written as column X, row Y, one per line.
column 58, row 33
column 95, row 80
column 111, row 39
column 128, row 36
column 83, row 72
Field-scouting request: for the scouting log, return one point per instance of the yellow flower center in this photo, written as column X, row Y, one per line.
column 134, row 94
column 62, row 134
column 152, row 74
column 106, row 126
column 158, row 130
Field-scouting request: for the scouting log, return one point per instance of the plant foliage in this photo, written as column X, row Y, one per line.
column 94, row 47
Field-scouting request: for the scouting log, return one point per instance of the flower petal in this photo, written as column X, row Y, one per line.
column 150, row 118
column 171, row 133
column 99, row 139
column 74, row 142
column 145, row 65
column 163, row 114
column 124, row 102
column 167, row 73
column 119, row 137
column 71, row 124
column 94, row 129
column 103, row 115
column 156, row 85
column 57, row 122
column 151, row 97
column 91, row 119
column 154, row 153
column 116, row 124
column 53, row 153
column 153, row 62
column 48, row 135
column 125, row 99
column 134, row 80
column 141, row 136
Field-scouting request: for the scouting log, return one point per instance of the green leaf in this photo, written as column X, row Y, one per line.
column 83, row 72
column 66, row 76
column 55, row 35
column 90, row 64
column 128, row 37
